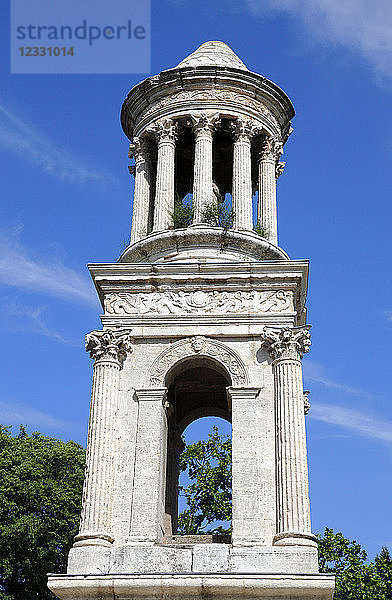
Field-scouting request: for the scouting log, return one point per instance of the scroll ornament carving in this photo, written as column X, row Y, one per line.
column 217, row 95
column 306, row 402
column 198, row 302
column 279, row 168
column 286, row 342
column 201, row 346
column 109, row 345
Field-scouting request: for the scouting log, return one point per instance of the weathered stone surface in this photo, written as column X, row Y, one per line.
column 199, row 321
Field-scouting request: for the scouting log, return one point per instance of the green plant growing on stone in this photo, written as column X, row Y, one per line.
column 41, row 481
column 182, row 213
column 262, row 231
column 218, row 215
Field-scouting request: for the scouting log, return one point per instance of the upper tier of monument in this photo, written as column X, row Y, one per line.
column 205, row 134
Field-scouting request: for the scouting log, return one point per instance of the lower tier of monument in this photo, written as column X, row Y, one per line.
column 191, row 586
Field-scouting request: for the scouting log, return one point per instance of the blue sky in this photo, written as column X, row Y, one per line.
column 66, row 201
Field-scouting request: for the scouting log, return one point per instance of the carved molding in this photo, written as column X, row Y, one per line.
column 198, row 302
column 306, row 402
column 286, row 342
column 279, row 168
column 109, row 345
column 198, row 346
column 217, row 95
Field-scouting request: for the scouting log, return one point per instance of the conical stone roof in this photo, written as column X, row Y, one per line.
column 217, row 54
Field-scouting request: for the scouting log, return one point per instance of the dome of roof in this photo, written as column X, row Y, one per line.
column 213, row 53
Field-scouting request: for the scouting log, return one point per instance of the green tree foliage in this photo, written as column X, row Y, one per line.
column 40, row 500
column 41, row 482
column 208, row 496
column 356, row 579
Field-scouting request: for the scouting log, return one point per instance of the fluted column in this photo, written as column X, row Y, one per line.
column 287, row 346
column 242, row 175
column 164, row 192
column 147, row 523
column 140, row 151
column 109, row 350
column 203, row 127
column 270, row 151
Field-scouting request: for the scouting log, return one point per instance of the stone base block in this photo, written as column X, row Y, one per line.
column 196, row 558
column 193, row 587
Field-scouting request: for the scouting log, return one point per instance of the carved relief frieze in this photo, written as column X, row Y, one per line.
column 198, row 346
column 218, row 95
column 198, row 302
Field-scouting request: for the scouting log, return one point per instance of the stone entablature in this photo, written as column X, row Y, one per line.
column 198, row 302
column 177, row 92
column 202, row 291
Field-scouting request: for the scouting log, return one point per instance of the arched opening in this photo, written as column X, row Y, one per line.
column 205, row 486
column 222, row 163
column 196, row 388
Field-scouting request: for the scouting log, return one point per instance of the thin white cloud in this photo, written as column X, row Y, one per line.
column 363, row 26
column 29, row 319
column 21, row 139
column 314, row 373
column 353, row 420
column 12, row 413
column 18, row 268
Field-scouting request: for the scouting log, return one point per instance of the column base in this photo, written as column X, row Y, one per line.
column 90, row 538
column 293, row 538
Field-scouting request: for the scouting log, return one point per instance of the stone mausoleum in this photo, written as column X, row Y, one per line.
column 201, row 320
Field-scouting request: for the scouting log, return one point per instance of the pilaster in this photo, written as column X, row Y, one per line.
column 253, row 521
column 148, row 500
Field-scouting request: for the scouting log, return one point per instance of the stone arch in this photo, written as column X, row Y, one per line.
column 202, row 347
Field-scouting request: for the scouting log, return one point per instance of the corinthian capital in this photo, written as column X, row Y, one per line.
column 203, row 123
column 286, row 342
column 139, row 149
column 165, row 130
column 109, row 345
column 270, row 149
column 243, row 129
